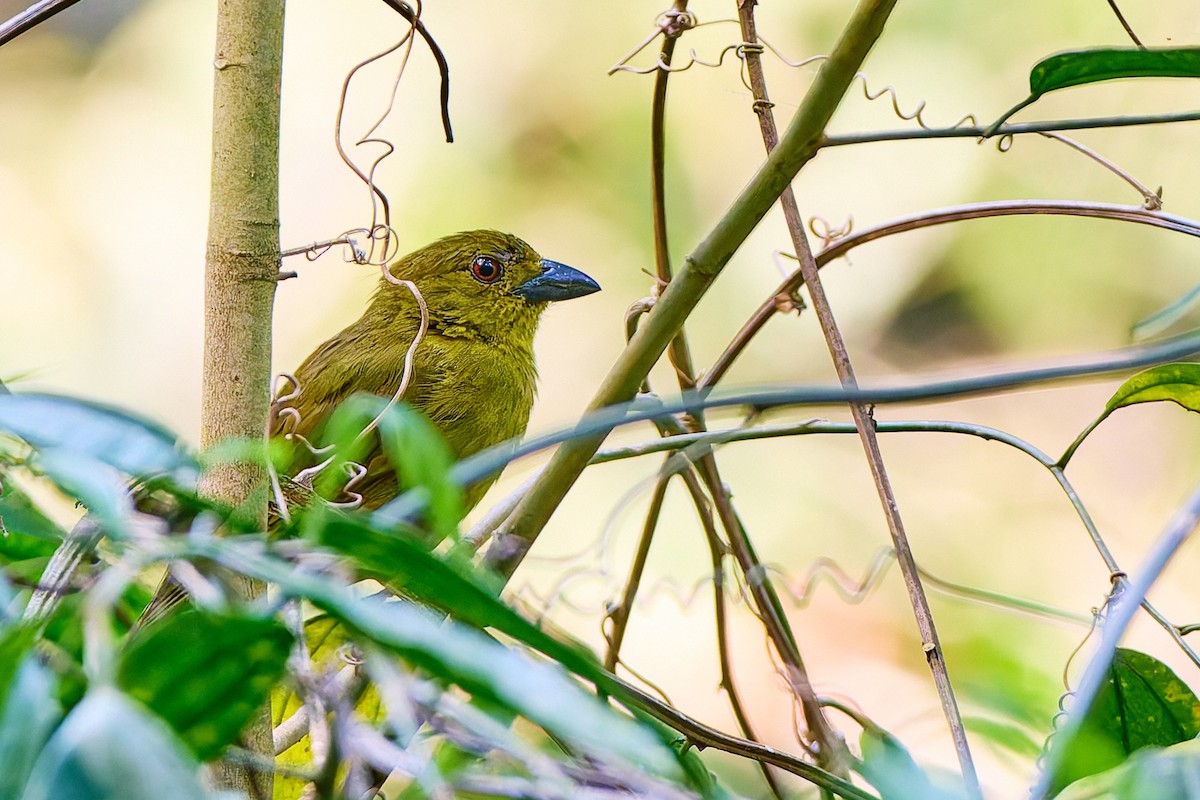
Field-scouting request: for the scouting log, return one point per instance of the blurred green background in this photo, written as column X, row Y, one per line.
column 104, row 154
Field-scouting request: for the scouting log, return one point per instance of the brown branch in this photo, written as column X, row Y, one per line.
column 706, row 736
column 927, row 219
column 830, row 747
column 861, row 413
column 619, row 615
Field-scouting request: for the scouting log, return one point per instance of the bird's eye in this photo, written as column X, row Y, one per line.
column 486, row 269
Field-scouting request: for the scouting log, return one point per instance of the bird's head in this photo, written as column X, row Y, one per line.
column 480, row 284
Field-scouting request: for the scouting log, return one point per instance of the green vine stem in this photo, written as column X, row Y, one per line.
column 977, row 131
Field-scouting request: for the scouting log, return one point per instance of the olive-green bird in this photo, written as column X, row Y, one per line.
column 473, row 372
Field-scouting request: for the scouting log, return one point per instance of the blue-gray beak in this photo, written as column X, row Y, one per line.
column 556, row 282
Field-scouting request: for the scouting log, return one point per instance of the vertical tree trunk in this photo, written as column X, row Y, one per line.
column 241, row 263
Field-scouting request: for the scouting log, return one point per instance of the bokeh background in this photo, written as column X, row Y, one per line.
column 104, row 154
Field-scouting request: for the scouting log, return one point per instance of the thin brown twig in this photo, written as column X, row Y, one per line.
column 678, row 352
column 1151, row 201
column 414, row 18
column 31, row 17
column 618, row 614
column 368, row 177
column 768, row 607
column 1125, row 24
column 862, row 415
column 379, row 200
column 718, row 549
column 706, row 736
column 829, row 747
column 764, row 602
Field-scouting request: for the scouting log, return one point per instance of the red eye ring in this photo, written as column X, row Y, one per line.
column 486, row 269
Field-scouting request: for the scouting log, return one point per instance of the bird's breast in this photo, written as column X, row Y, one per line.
column 477, row 394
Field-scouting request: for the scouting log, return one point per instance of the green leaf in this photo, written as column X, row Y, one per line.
column 205, row 674
column 1078, row 67
column 887, row 764
column 416, row 449
column 423, row 461
column 542, row 692
column 1141, row 704
column 93, row 483
column 110, row 748
column 1167, row 316
column 124, row 442
column 1178, row 383
column 399, row 557
column 1011, row 737
column 449, row 583
column 27, row 718
column 25, row 532
column 1171, row 773
column 27, row 536
column 15, row 643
